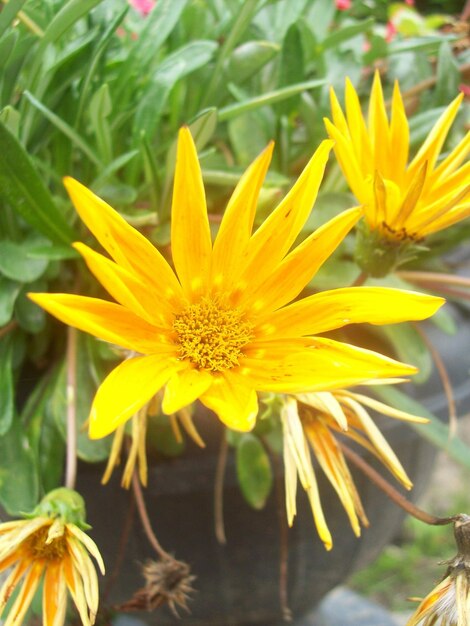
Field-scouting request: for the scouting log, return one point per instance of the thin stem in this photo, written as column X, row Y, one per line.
column 444, row 376
column 391, row 492
column 123, row 541
column 361, row 279
column 71, row 452
column 435, row 278
column 219, row 491
column 4, row 330
column 145, row 520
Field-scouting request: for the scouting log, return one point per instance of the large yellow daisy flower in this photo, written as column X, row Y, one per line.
column 218, row 328
column 403, row 201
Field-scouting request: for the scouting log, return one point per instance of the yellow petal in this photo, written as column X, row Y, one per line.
column 124, row 243
column 411, row 198
column 54, row 598
column 25, row 596
column 453, row 160
column 431, row 148
column 126, row 389
column 325, row 366
column 89, row 544
column 185, row 387
column 337, row 113
column 233, row 400
column 237, row 222
column 332, row 309
column 275, row 236
column 300, row 265
column 378, row 128
column 126, row 287
column 190, row 233
column 399, row 137
column 360, row 141
column 325, row 402
column 105, row 320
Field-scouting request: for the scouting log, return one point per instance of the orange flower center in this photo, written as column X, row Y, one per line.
column 38, row 547
column 211, row 335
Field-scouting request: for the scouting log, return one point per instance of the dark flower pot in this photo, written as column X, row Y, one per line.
column 238, row 583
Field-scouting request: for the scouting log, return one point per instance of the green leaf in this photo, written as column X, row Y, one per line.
column 159, row 24
column 162, row 438
column 17, row 265
column 19, row 489
column 52, row 253
column 253, row 471
column 113, row 167
column 448, row 76
column 175, row 66
column 271, row 97
column 23, row 189
column 247, row 137
column 100, row 109
column 43, row 435
column 68, row 15
column 87, row 449
column 8, row 14
column 11, row 119
column 7, row 45
column 436, row 432
column 291, row 67
column 64, row 128
column 7, row 390
column 347, row 32
column 421, row 124
column 9, row 291
column 249, row 58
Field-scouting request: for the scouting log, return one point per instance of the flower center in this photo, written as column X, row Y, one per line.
column 39, row 549
column 212, row 335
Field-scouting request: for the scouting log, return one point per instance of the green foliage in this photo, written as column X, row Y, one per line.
column 253, row 470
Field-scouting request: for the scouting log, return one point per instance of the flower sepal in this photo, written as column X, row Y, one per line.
column 64, row 504
column 379, row 255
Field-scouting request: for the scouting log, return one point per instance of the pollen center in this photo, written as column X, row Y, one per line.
column 39, row 548
column 212, row 335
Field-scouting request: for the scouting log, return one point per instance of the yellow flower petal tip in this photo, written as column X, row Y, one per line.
column 223, row 311
column 378, row 147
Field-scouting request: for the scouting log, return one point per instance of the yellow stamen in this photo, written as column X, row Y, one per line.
column 212, row 335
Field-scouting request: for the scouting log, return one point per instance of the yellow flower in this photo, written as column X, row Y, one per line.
column 403, row 201
column 313, row 420
column 48, row 548
column 448, row 604
column 218, row 328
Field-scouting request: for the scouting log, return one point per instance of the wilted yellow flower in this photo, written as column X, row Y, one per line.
column 311, row 421
column 49, row 548
column 448, row 604
column 218, row 328
column 404, row 201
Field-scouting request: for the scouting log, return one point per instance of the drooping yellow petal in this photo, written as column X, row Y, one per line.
column 126, row 287
column 237, row 222
column 275, row 236
column 327, row 365
column 234, row 401
column 300, row 265
column 54, row 597
column 126, row 245
column 105, row 320
column 126, row 389
column 332, row 309
column 190, row 233
column 25, row 596
column 75, row 586
column 89, row 544
column 185, row 387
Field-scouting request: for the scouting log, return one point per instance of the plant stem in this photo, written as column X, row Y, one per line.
column 391, row 492
column 4, row 330
column 145, row 520
column 71, row 453
column 219, row 491
column 361, row 279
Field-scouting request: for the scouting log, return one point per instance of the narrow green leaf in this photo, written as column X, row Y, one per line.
column 7, row 45
column 249, row 58
column 7, row 390
column 8, row 13
column 160, row 23
column 19, row 490
column 410, row 348
column 436, row 432
column 52, row 253
column 271, row 97
column 100, row 109
column 68, row 15
column 28, row 314
column 113, row 167
column 64, row 128
column 347, row 32
column 17, row 265
column 11, row 119
column 253, row 471
column 448, row 76
column 23, row 189
column 291, row 67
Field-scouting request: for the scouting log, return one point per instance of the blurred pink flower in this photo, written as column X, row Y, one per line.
column 143, row 6
column 410, row 3
column 390, row 32
column 343, row 5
